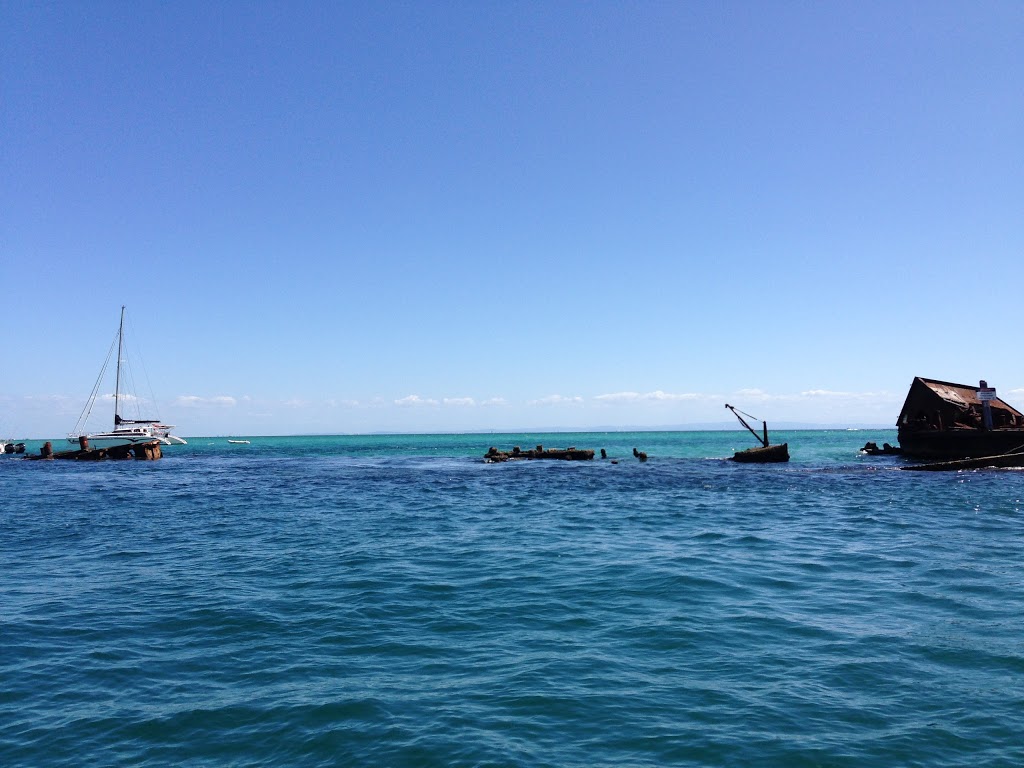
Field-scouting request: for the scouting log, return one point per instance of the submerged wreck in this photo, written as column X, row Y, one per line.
column 149, row 451
column 494, row 456
column 945, row 421
column 872, row 449
column 766, row 453
column 1003, row 461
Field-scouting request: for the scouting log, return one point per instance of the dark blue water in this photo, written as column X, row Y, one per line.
column 394, row 601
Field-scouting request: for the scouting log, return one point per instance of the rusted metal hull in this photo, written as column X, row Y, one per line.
column 945, row 421
column 771, row 454
column 495, row 456
column 959, row 443
column 985, row 462
column 142, row 451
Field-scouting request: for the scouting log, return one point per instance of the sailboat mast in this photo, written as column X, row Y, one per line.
column 117, row 380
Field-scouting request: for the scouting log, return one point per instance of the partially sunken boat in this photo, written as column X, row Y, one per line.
column 766, row 453
column 494, row 456
column 143, row 451
column 946, row 421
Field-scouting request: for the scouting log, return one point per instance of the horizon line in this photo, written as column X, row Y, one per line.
column 709, row 427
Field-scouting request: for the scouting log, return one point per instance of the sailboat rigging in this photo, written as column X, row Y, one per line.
column 125, row 431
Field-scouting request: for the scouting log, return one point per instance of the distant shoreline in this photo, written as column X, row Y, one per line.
column 782, row 426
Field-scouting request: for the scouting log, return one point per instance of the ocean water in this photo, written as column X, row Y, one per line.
column 395, row 601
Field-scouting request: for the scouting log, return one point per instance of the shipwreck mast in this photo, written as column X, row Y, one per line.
column 764, row 424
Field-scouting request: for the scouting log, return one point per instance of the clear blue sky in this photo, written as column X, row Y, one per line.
column 348, row 217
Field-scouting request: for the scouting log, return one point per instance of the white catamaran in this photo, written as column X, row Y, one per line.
column 125, row 431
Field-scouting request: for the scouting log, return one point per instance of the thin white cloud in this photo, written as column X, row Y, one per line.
column 467, row 402
column 195, row 401
column 415, row 401
column 495, row 401
column 821, row 395
column 657, row 397
column 754, row 393
column 619, row 397
column 124, row 396
column 828, row 393
column 557, row 400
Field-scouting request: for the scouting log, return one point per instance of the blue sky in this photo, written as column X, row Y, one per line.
column 351, row 217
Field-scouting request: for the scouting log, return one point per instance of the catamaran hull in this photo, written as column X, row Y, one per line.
column 112, row 441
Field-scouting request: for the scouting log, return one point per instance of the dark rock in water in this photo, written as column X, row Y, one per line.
column 872, row 449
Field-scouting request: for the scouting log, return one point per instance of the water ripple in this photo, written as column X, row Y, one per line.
column 386, row 604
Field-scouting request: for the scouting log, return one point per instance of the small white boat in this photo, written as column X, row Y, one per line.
column 125, row 431
column 239, row 442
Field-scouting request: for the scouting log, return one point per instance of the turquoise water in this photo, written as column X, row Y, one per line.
column 394, row 601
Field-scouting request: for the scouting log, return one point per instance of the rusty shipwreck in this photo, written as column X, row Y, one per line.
column 942, row 420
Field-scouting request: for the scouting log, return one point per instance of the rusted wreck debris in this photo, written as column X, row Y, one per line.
column 149, row 451
column 573, row 453
column 872, row 449
column 945, row 421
